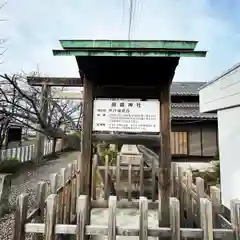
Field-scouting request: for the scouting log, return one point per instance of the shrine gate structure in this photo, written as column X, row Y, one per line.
column 127, row 70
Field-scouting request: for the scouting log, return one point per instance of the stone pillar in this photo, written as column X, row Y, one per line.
column 5, row 189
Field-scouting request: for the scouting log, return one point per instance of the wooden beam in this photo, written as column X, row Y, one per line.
column 165, row 156
column 145, row 92
column 86, row 139
column 55, row 81
column 126, row 138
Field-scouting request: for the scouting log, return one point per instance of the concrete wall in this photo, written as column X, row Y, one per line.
column 229, row 143
column 221, row 93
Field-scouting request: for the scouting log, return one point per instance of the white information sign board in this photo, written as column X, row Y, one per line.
column 126, row 116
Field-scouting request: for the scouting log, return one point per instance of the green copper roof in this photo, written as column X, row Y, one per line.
column 129, row 53
column 156, row 44
column 124, row 48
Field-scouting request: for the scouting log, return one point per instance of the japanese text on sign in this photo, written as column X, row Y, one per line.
column 126, row 116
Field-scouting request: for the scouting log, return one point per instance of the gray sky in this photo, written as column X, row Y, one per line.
column 34, row 27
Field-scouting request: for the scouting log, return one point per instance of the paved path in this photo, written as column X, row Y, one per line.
column 27, row 183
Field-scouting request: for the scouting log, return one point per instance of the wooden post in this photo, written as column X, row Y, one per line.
column 175, row 218
column 63, row 179
column 215, row 196
column 166, row 157
column 51, row 217
column 129, row 181
column 181, row 194
column 94, row 176
column 41, row 195
column 201, row 141
column 173, row 179
column 206, row 219
column 153, row 179
column 20, row 217
column 82, row 218
column 142, row 176
column 112, row 219
column 86, row 139
column 118, row 177
column 106, row 178
column 200, row 194
column 53, row 183
column 189, row 199
column 67, row 214
column 39, row 147
column 235, row 218
column 73, row 192
column 143, row 219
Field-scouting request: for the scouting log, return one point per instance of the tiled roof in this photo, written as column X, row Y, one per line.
column 186, row 88
column 189, row 111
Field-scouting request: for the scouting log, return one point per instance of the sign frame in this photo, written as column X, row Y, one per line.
column 126, row 115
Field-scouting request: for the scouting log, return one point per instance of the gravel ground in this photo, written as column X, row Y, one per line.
column 27, row 183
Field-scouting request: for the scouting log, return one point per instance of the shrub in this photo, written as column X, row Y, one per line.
column 105, row 151
column 216, row 157
column 11, row 166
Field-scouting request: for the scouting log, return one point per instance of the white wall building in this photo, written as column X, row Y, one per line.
column 223, row 95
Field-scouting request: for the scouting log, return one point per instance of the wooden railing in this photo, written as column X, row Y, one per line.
column 192, row 213
column 26, row 153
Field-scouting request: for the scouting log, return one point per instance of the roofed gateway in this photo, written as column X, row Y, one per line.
column 129, row 69
column 145, row 65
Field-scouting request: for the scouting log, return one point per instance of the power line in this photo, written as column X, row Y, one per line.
column 133, row 5
column 130, row 18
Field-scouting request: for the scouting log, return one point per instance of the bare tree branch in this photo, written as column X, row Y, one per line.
column 20, row 103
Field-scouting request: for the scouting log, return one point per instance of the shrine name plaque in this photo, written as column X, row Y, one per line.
column 126, row 116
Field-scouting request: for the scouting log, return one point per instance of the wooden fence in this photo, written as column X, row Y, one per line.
column 26, row 153
column 65, row 212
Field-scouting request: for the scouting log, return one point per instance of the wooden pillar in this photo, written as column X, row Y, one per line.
column 39, row 146
column 165, row 155
column 86, row 139
column 201, row 139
